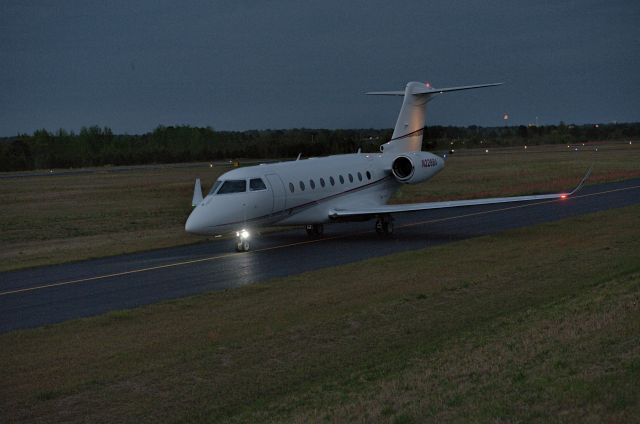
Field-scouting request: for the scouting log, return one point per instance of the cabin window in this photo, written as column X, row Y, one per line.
column 332, row 181
column 233, row 186
column 301, row 186
column 341, row 179
column 312, row 184
column 291, row 187
column 256, row 184
column 359, row 176
column 322, row 182
column 368, row 175
column 217, row 184
column 350, row 178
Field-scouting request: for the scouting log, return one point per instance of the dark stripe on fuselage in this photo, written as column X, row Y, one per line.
column 411, row 134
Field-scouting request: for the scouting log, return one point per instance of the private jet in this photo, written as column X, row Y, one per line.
column 350, row 187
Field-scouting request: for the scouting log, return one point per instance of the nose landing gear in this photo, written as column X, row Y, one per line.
column 242, row 246
column 242, row 241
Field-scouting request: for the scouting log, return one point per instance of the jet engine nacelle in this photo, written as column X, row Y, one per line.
column 416, row 167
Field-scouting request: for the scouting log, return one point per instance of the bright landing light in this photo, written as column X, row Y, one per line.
column 243, row 234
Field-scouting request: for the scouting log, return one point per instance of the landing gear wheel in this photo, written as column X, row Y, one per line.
column 388, row 227
column 314, row 230
column 384, row 225
column 242, row 246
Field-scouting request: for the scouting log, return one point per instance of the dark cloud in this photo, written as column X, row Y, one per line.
column 280, row 64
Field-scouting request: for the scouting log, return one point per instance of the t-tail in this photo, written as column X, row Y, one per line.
column 407, row 135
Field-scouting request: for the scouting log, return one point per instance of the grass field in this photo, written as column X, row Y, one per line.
column 535, row 324
column 53, row 219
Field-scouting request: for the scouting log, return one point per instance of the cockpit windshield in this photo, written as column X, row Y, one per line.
column 233, row 186
column 215, row 187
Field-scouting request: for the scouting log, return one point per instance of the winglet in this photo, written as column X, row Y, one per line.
column 197, row 194
column 584, row 180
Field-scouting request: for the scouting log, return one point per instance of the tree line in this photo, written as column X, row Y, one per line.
column 97, row 146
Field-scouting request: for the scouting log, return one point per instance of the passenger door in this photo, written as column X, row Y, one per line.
column 279, row 194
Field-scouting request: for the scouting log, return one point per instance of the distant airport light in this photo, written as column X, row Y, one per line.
column 486, row 150
column 525, row 147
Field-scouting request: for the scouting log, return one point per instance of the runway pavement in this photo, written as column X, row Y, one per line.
column 47, row 295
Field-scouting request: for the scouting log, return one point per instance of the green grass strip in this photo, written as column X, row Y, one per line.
column 539, row 323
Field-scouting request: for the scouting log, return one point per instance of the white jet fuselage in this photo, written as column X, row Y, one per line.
column 305, row 191
column 316, row 191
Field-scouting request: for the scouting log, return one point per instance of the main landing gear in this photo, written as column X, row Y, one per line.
column 315, row 230
column 384, row 225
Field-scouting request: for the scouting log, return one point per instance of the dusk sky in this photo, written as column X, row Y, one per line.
column 238, row 65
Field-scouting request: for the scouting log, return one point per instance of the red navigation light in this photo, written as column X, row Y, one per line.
column 563, row 196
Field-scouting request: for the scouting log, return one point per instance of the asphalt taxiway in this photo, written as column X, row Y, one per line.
column 47, row 295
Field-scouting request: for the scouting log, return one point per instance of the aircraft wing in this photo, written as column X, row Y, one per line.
column 414, row 207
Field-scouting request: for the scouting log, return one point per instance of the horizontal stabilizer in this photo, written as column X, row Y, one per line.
column 427, row 89
column 385, row 93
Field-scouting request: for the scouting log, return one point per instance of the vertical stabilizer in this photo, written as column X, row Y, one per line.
column 407, row 134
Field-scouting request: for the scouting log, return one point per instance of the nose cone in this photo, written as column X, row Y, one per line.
column 196, row 223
